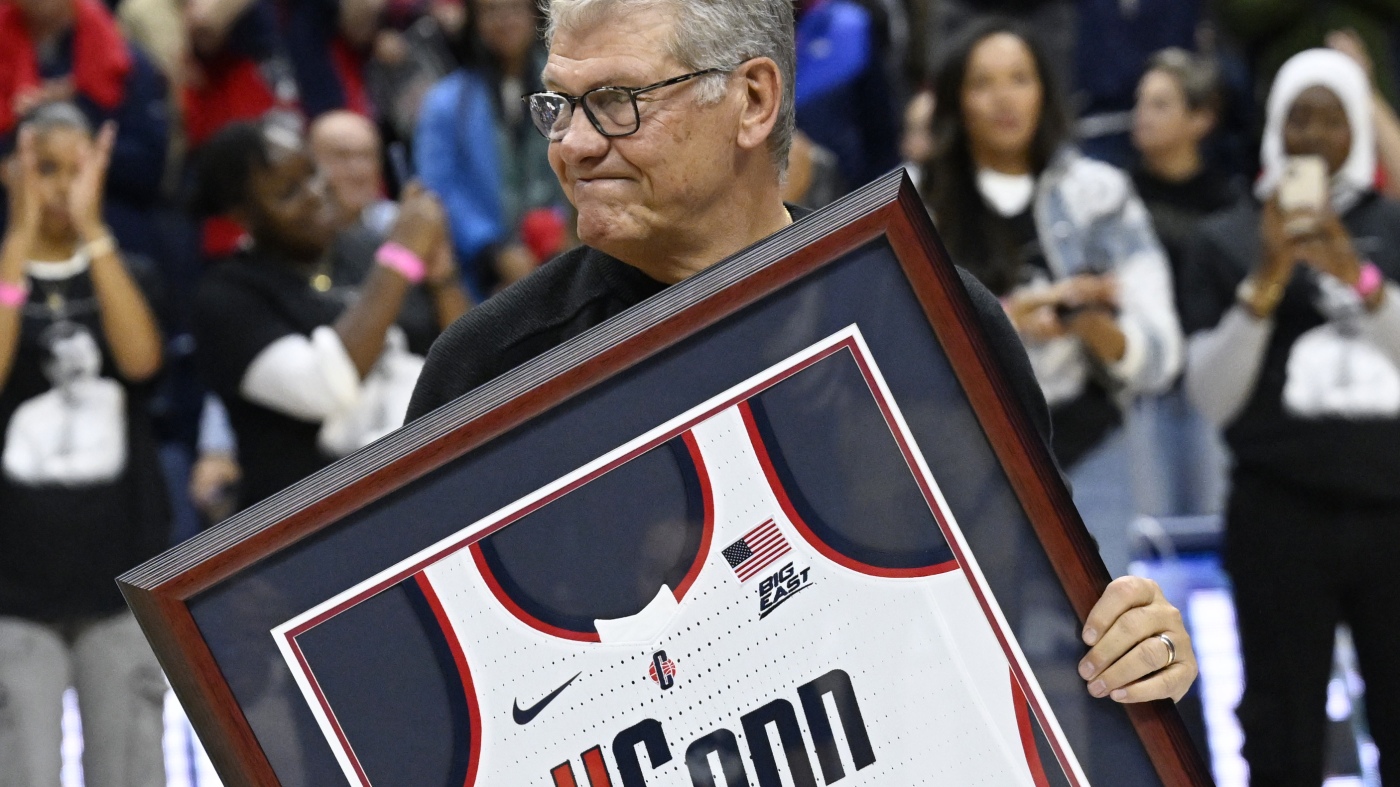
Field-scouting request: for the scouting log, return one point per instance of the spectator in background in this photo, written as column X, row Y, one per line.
column 477, row 148
column 1120, row 37
column 82, row 494
column 346, row 148
column 238, row 71
column 329, row 43
column 312, row 339
column 1273, row 30
column 916, row 144
column 1386, row 121
column 1295, row 355
column 412, row 51
column 1067, row 245
column 72, row 50
column 1052, row 20
column 1179, row 463
column 845, row 102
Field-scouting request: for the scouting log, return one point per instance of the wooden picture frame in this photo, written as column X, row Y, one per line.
column 208, row 605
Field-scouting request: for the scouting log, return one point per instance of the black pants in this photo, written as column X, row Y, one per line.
column 1301, row 564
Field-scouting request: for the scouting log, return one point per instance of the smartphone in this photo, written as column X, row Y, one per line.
column 399, row 164
column 1302, row 192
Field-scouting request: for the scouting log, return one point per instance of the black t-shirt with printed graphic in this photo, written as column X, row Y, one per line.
column 82, row 498
column 1295, row 437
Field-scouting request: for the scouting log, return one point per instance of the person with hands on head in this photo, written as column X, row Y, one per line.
column 1067, row 245
column 669, row 186
column 1294, row 353
column 81, row 490
column 312, row 339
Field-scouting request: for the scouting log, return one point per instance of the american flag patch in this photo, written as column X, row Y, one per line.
column 756, row 550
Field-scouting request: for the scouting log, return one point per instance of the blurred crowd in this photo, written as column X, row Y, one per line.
column 233, row 228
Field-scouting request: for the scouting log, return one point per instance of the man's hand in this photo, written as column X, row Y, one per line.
column 1127, row 660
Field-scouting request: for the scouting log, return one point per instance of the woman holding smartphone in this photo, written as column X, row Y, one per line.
column 1066, row 244
column 1295, row 353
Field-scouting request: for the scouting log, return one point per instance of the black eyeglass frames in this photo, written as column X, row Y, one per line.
column 612, row 110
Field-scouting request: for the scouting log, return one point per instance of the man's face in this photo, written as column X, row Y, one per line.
column 346, row 151
column 638, row 196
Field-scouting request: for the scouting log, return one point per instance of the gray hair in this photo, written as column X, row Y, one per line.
column 710, row 34
column 56, row 115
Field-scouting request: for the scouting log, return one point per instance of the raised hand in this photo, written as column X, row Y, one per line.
column 21, row 174
column 85, row 194
column 422, row 224
column 1139, row 650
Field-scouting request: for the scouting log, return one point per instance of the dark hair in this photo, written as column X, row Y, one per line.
column 472, row 53
column 967, row 226
column 224, row 165
column 1197, row 75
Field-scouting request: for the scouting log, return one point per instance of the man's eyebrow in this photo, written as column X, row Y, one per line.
column 613, row 79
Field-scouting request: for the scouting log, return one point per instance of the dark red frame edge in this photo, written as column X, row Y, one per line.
column 158, row 592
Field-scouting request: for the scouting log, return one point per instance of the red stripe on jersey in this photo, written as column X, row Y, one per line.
column 463, row 670
column 596, row 768
column 518, row 611
column 807, row 533
column 1023, row 722
column 564, row 776
column 759, row 562
column 707, row 532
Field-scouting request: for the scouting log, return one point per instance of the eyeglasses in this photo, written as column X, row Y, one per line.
column 612, row 110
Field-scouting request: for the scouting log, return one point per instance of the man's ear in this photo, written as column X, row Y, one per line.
column 763, row 95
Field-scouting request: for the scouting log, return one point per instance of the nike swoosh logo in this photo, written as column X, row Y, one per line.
column 523, row 717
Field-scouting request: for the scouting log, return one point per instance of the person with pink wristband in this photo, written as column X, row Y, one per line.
column 82, row 494
column 312, row 336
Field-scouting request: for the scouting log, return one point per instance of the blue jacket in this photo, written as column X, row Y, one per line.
column 454, row 152
column 844, row 100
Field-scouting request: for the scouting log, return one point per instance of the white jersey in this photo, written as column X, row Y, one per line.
column 776, row 660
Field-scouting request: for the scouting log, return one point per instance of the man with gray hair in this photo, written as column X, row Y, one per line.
column 669, row 124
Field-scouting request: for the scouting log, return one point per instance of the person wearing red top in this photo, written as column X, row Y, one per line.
column 73, row 50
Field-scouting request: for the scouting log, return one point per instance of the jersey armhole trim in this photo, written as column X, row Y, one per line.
column 518, row 611
column 463, row 671
column 771, row 475
column 707, row 531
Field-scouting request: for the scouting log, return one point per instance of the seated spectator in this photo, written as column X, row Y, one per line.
column 411, row 52
column 81, row 491
column 1120, row 38
column 845, row 102
column 477, row 148
column 329, row 43
column 312, row 338
column 1294, row 353
column 1067, row 245
column 1178, row 462
column 346, row 148
column 72, row 50
column 239, row 68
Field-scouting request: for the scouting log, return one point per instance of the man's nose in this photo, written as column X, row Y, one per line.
column 581, row 140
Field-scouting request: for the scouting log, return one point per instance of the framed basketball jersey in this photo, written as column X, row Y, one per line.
column 779, row 526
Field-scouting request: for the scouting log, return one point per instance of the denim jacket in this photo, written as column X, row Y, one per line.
column 1091, row 221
